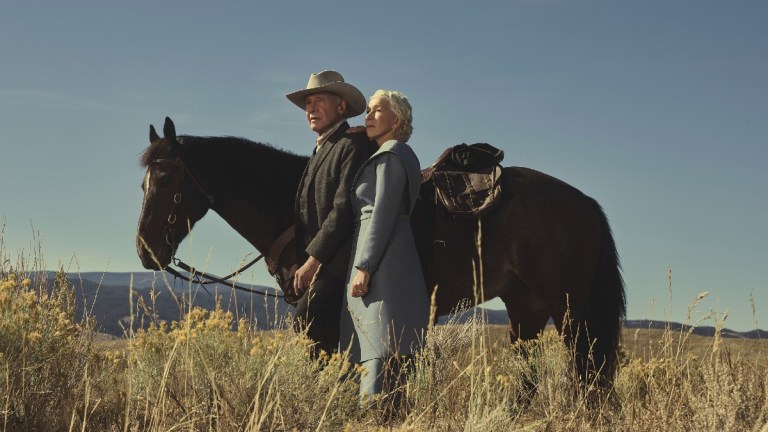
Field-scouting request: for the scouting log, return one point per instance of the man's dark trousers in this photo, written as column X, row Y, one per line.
column 320, row 309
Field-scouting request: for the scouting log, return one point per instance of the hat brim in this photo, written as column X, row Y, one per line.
column 356, row 102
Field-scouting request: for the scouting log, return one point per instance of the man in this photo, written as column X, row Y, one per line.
column 324, row 218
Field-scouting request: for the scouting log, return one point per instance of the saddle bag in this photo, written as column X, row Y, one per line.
column 471, row 194
column 467, row 179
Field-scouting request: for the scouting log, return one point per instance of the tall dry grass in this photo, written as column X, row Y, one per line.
column 212, row 372
column 50, row 370
column 201, row 374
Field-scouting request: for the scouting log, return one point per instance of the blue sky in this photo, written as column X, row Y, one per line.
column 657, row 109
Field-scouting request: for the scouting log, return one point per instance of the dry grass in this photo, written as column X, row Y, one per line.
column 647, row 344
column 205, row 373
column 210, row 373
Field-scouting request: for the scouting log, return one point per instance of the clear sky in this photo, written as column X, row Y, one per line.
column 657, row 109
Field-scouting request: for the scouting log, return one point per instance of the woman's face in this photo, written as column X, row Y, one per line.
column 380, row 120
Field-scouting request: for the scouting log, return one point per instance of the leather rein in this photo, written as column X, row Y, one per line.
column 202, row 278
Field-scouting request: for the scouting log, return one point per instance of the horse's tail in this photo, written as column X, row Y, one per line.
column 606, row 307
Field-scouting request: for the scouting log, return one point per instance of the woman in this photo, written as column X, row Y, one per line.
column 386, row 308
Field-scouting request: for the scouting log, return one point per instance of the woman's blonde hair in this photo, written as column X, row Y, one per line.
column 402, row 109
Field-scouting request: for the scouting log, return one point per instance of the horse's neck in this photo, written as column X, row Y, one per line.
column 260, row 228
column 258, row 206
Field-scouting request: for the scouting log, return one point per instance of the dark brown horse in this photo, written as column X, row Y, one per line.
column 546, row 250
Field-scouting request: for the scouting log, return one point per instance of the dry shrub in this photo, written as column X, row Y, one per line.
column 462, row 383
column 206, row 373
column 675, row 390
column 200, row 374
column 532, row 385
column 50, row 375
column 459, row 381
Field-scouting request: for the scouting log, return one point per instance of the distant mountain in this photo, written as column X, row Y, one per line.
column 140, row 280
column 106, row 295
column 493, row 316
column 699, row 330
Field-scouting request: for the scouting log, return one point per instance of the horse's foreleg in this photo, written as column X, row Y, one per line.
column 528, row 314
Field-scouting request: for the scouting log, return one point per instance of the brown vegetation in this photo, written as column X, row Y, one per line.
column 212, row 372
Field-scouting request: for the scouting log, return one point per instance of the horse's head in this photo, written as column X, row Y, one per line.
column 174, row 200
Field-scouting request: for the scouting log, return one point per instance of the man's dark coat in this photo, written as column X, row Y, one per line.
column 324, row 195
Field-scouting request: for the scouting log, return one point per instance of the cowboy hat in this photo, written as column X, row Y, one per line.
column 331, row 82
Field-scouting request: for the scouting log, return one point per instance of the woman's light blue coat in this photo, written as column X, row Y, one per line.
column 392, row 318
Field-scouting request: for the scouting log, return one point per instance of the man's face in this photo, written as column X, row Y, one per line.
column 323, row 111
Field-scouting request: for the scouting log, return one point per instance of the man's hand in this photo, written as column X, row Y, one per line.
column 360, row 283
column 304, row 275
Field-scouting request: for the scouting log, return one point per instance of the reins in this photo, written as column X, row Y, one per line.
column 195, row 277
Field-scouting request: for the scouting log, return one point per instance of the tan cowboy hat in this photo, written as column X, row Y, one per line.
column 331, row 82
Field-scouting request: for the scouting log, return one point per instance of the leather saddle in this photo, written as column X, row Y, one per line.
column 467, row 179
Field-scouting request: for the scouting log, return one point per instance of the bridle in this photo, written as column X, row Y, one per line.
column 202, row 278
column 181, row 169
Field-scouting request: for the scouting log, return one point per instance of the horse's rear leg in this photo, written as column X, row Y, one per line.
column 571, row 324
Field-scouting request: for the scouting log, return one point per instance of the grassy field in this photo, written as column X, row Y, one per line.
column 648, row 344
column 209, row 373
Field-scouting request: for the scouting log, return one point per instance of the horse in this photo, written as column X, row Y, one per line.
column 546, row 250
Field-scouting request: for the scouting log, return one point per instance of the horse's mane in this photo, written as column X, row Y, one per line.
column 235, row 165
column 155, row 150
column 239, row 145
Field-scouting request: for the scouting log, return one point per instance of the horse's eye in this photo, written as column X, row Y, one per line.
column 163, row 180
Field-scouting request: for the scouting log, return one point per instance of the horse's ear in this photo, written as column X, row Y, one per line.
column 153, row 134
column 169, row 130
